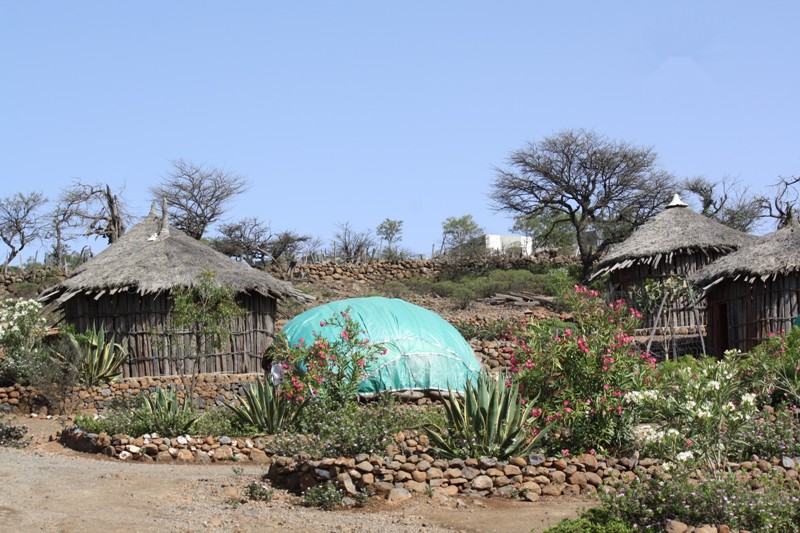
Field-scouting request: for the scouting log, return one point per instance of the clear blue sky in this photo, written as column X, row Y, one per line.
column 358, row 111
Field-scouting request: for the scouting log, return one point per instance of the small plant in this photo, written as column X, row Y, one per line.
column 259, row 492
column 489, row 421
column 325, row 496
column 13, row 436
column 238, row 470
column 264, row 408
column 163, row 413
column 95, row 359
column 22, row 331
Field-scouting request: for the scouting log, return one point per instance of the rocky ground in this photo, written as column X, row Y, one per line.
column 47, row 487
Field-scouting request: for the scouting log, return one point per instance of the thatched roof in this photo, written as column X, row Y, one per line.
column 674, row 231
column 772, row 255
column 152, row 258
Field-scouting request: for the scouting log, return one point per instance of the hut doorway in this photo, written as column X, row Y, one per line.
column 719, row 315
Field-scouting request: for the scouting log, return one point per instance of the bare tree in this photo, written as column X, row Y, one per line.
column 197, row 195
column 783, row 204
column 352, row 245
column 253, row 242
column 601, row 186
column 92, row 207
column 20, row 222
column 727, row 201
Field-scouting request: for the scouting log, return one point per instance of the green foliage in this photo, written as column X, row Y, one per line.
column 393, row 289
column 484, row 329
column 457, row 232
column 164, row 414
column 334, row 430
column 121, row 416
column 324, row 496
column 702, row 409
column 259, row 492
column 581, row 373
column 263, row 408
column 95, row 360
column 770, row 435
column 489, row 421
column 331, row 365
column 22, row 331
column 723, row 499
column 206, row 310
column 773, row 369
column 13, row 436
column 591, row 523
column 549, row 229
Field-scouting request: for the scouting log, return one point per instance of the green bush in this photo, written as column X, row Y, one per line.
column 334, row 430
column 773, row 368
column 325, row 496
column 770, row 435
column 22, row 331
column 591, row 522
column 259, row 492
column 724, row 499
column 487, row 329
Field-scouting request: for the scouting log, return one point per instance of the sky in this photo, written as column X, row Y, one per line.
column 354, row 112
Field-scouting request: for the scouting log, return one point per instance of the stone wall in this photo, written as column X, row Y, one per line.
column 384, row 271
column 211, row 390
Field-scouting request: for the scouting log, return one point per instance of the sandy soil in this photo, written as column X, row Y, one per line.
column 47, row 487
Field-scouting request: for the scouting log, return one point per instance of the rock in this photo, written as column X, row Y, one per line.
column 553, row 489
column 415, row 486
column 397, row 495
column 365, row 466
column 589, row 461
column 347, row 484
column 512, row 470
column 382, row 488
column 482, row 482
column 531, row 496
column 184, row 456
column 450, row 490
column 578, row 478
column 223, row 453
column 469, row 472
column 705, row 529
column 506, row 491
column 258, row 457
column 164, row 457
column 676, row 526
column 124, row 455
column 787, row 462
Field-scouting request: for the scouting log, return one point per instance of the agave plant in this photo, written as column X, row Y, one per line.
column 489, row 421
column 262, row 407
column 96, row 360
column 163, row 413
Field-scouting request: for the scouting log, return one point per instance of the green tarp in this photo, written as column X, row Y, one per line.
column 424, row 351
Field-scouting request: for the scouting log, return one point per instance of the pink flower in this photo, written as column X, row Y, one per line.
column 322, row 323
column 345, row 335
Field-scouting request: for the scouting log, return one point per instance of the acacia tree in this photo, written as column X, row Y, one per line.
column 20, row 222
column 602, row 186
column 457, row 232
column 390, row 231
column 727, row 202
column 197, row 195
column 548, row 230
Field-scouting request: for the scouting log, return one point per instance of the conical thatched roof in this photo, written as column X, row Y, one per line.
column 772, row 255
column 675, row 230
column 153, row 257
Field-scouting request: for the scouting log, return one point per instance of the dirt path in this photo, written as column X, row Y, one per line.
column 46, row 487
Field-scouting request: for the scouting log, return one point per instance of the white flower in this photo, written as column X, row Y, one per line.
column 684, row 456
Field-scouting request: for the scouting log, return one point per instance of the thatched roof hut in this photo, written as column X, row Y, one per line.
column 127, row 289
column 753, row 292
column 675, row 242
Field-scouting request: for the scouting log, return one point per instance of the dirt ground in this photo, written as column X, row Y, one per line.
column 46, row 487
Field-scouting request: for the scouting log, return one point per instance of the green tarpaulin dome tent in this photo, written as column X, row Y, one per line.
column 423, row 351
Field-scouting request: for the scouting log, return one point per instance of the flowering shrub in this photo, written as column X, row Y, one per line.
column 702, row 409
column 773, row 368
column 331, row 365
column 581, row 374
column 22, row 330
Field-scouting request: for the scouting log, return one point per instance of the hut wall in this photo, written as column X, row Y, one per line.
column 142, row 325
column 754, row 310
column 682, row 312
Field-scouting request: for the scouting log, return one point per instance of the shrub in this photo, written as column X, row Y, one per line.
column 723, row 499
column 486, row 328
column 349, row 429
column 770, row 435
column 590, row 524
column 325, row 496
column 703, row 411
column 331, row 365
column 95, row 360
column 259, row 492
column 490, row 421
column 120, row 417
column 22, row 330
column 12, row 436
column 773, row 368
column 581, row 373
